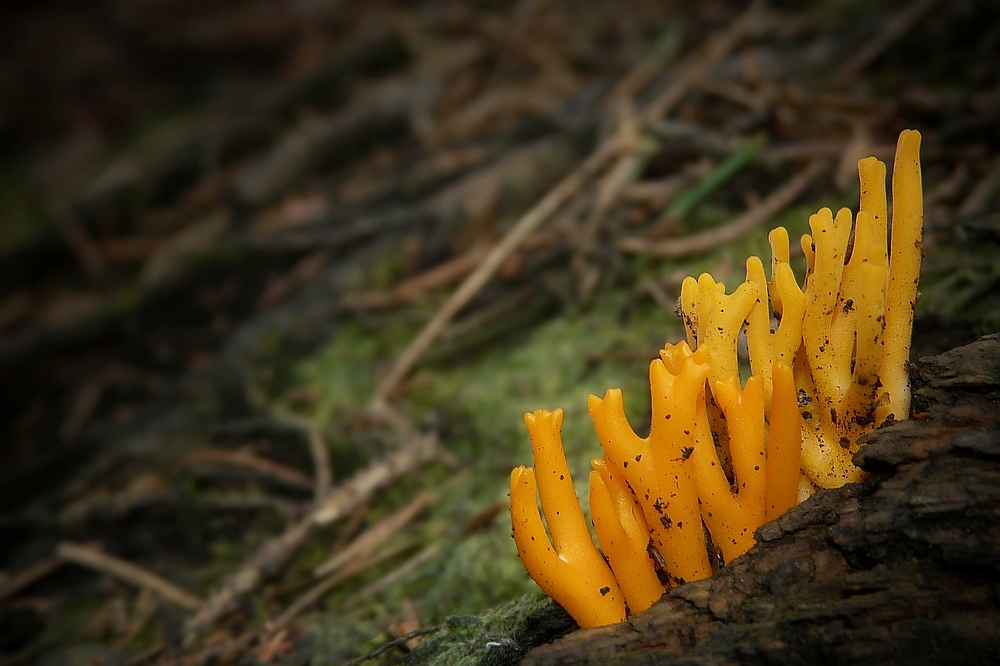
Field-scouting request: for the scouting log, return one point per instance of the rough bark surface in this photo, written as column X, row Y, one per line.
column 904, row 567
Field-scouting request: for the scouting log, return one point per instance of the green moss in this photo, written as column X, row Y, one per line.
column 556, row 365
column 335, row 640
column 495, row 637
column 342, row 371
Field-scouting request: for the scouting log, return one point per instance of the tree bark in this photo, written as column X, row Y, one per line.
column 904, row 567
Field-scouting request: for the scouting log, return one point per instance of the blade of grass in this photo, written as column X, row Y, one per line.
column 687, row 202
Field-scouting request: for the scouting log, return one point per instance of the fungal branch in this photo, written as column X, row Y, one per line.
column 720, row 452
column 569, row 568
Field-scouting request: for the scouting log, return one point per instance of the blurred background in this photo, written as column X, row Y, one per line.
column 279, row 278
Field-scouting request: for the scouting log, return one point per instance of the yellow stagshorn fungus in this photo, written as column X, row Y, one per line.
column 721, row 453
column 569, row 568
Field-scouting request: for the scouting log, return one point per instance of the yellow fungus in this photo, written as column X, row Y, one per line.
column 569, row 567
column 828, row 364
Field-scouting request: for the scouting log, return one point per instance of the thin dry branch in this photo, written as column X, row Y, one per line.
column 896, row 27
column 347, row 496
column 777, row 201
column 530, row 221
column 376, row 535
column 275, row 553
column 322, row 471
column 394, row 576
column 981, row 194
column 267, row 468
column 130, row 573
column 700, row 64
column 82, row 245
column 27, row 577
column 327, row 584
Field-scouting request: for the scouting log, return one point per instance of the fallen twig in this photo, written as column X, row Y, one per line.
column 82, row 245
column 394, row 576
column 530, row 221
column 983, row 191
column 126, row 571
column 322, row 471
column 268, row 468
column 374, row 536
column 700, row 64
column 897, row 26
column 345, row 497
column 320, row 589
column 396, row 642
column 28, row 577
column 150, row 653
column 777, row 201
column 282, row 287
column 441, row 275
column 275, row 553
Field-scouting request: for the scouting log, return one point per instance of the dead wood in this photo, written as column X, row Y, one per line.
column 903, row 568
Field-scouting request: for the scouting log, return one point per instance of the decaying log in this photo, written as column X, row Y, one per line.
column 903, row 568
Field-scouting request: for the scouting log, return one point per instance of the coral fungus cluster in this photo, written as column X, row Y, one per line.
column 721, row 453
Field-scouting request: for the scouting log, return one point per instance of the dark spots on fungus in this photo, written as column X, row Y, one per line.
column 806, row 415
column 562, row 477
column 845, row 443
column 666, row 522
column 638, row 457
column 604, row 590
column 803, row 398
column 625, row 464
column 848, row 305
column 833, row 415
column 658, row 505
column 686, row 452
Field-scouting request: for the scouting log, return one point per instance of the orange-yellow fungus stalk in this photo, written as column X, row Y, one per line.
column 623, row 534
column 656, row 468
column 569, row 568
column 906, row 252
column 781, row 486
column 733, row 517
